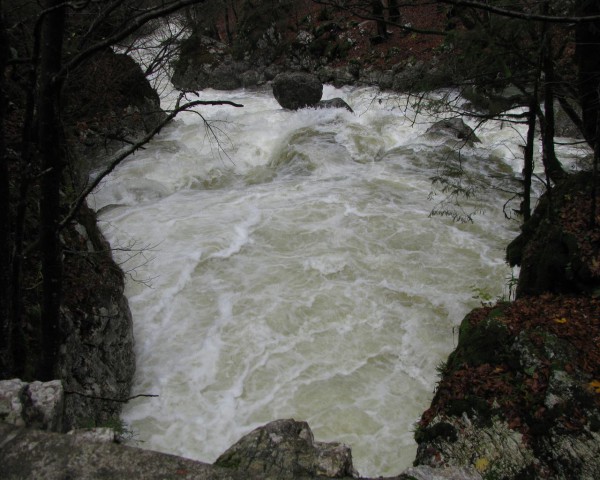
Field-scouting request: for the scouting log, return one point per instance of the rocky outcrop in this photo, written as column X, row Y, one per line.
column 285, row 449
column 297, row 90
column 281, row 450
column 96, row 360
column 33, row 454
column 518, row 398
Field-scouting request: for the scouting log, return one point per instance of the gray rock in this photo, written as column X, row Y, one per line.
column 227, row 76
column 34, row 454
column 250, row 78
column 452, row 473
column 44, row 405
column 101, row 434
column 334, row 103
column 297, row 90
column 37, row 404
column 304, row 37
column 11, row 405
column 285, row 449
column 96, row 358
column 454, row 128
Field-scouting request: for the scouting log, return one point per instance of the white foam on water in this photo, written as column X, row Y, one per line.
column 297, row 274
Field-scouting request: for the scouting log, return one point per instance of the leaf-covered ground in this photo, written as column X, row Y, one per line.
column 530, row 339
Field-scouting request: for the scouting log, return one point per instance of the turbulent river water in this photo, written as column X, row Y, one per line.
column 289, row 268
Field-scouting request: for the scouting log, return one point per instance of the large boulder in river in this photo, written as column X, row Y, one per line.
column 286, row 449
column 297, row 90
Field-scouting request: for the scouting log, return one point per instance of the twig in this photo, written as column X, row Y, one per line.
column 106, row 399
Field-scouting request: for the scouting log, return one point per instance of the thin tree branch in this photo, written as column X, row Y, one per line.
column 107, row 399
column 133, row 25
column 521, row 15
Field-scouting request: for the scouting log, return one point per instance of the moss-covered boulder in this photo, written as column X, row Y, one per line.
column 520, row 395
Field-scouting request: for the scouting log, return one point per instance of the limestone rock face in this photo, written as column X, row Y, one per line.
column 285, row 449
column 297, row 90
column 96, row 358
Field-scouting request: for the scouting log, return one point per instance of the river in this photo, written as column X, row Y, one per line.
column 288, row 267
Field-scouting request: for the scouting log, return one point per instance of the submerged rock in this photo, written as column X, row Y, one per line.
column 297, row 90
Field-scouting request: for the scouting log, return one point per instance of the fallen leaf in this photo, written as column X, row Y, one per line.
column 595, row 385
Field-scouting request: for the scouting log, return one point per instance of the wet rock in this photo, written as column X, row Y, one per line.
column 334, row 103
column 454, row 128
column 297, row 90
column 285, row 449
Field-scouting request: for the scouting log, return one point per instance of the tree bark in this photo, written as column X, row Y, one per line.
column 377, row 11
column 394, row 11
column 6, row 318
column 552, row 166
column 588, row 59
column 528, row 156
column 50, row 147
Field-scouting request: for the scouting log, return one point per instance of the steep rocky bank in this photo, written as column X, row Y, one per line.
column 519, row 397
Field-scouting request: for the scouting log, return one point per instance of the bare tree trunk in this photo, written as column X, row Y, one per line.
column 377, row 11
column 6, row 317
column 227, row 25
column 528, row 156
column 50, row 150
column 394, row 11
column 552, row 166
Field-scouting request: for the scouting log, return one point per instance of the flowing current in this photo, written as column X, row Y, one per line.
column 284, row 265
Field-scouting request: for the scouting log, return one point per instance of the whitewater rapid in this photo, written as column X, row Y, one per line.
column 288, row 268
